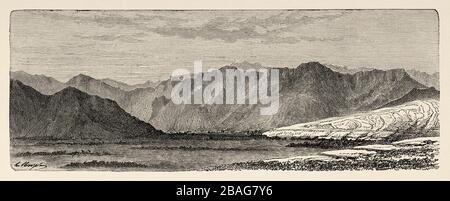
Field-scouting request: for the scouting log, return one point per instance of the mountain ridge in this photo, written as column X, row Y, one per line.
column 44, row 84
column 308, row 92
column 416, row 94
column 70, row 114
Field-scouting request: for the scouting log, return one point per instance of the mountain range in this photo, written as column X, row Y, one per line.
column 429, row 80
column 45, row 85
column 308, row 92
column 70, row 114
column 127, row 87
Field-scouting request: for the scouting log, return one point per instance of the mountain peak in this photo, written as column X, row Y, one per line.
column 25, row 74
column 71, row 92
column 398, row 70
column 398, row 73
column 20, row 72
column 244, row 65
column 44, row 84
column 313, row 66
column 247, row 65
column 81, row 77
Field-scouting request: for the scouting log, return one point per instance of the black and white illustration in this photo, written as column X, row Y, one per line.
column 212, row 90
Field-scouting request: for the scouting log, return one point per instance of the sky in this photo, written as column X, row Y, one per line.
column 136, row 46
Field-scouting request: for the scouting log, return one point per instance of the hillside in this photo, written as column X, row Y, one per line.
column 70, row 114
column 416, row 94
column 429, row 80
column 93, row 86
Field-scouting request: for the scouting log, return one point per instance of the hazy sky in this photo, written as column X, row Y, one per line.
column 135, row 46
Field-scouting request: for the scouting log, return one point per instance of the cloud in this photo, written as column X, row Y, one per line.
column 134, row 38
column 226, row 26
column 99, row 17
column 312, row 38
column 266, row 30
column 209, row 33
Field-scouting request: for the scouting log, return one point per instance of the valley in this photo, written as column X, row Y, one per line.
column 103, row 124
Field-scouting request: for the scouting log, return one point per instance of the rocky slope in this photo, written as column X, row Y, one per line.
column 416, row 94
column 70, row 114
column 429, row 80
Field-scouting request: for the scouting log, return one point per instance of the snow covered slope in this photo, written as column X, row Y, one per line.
column 411, row 118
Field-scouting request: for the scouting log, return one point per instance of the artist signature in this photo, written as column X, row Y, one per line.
column 30, row 165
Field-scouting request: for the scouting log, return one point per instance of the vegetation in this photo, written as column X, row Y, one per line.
column 105, row 164
column 192, row 148
column 118, row 165
column 419, row 159
column 60, row 153
column 331, row 143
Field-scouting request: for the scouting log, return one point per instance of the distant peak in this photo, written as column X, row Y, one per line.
column 399, row 70
column 80, row 78
column 81, row 75
column 246, row 65
column 310, row 64
column 395, row 71
column 228, row 67
column 313, row 63
column 313, row 66
column 20, row 72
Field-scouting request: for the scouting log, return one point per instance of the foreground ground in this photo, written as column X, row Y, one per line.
column 186, row 154
column 179, row 154
column 418, row 153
